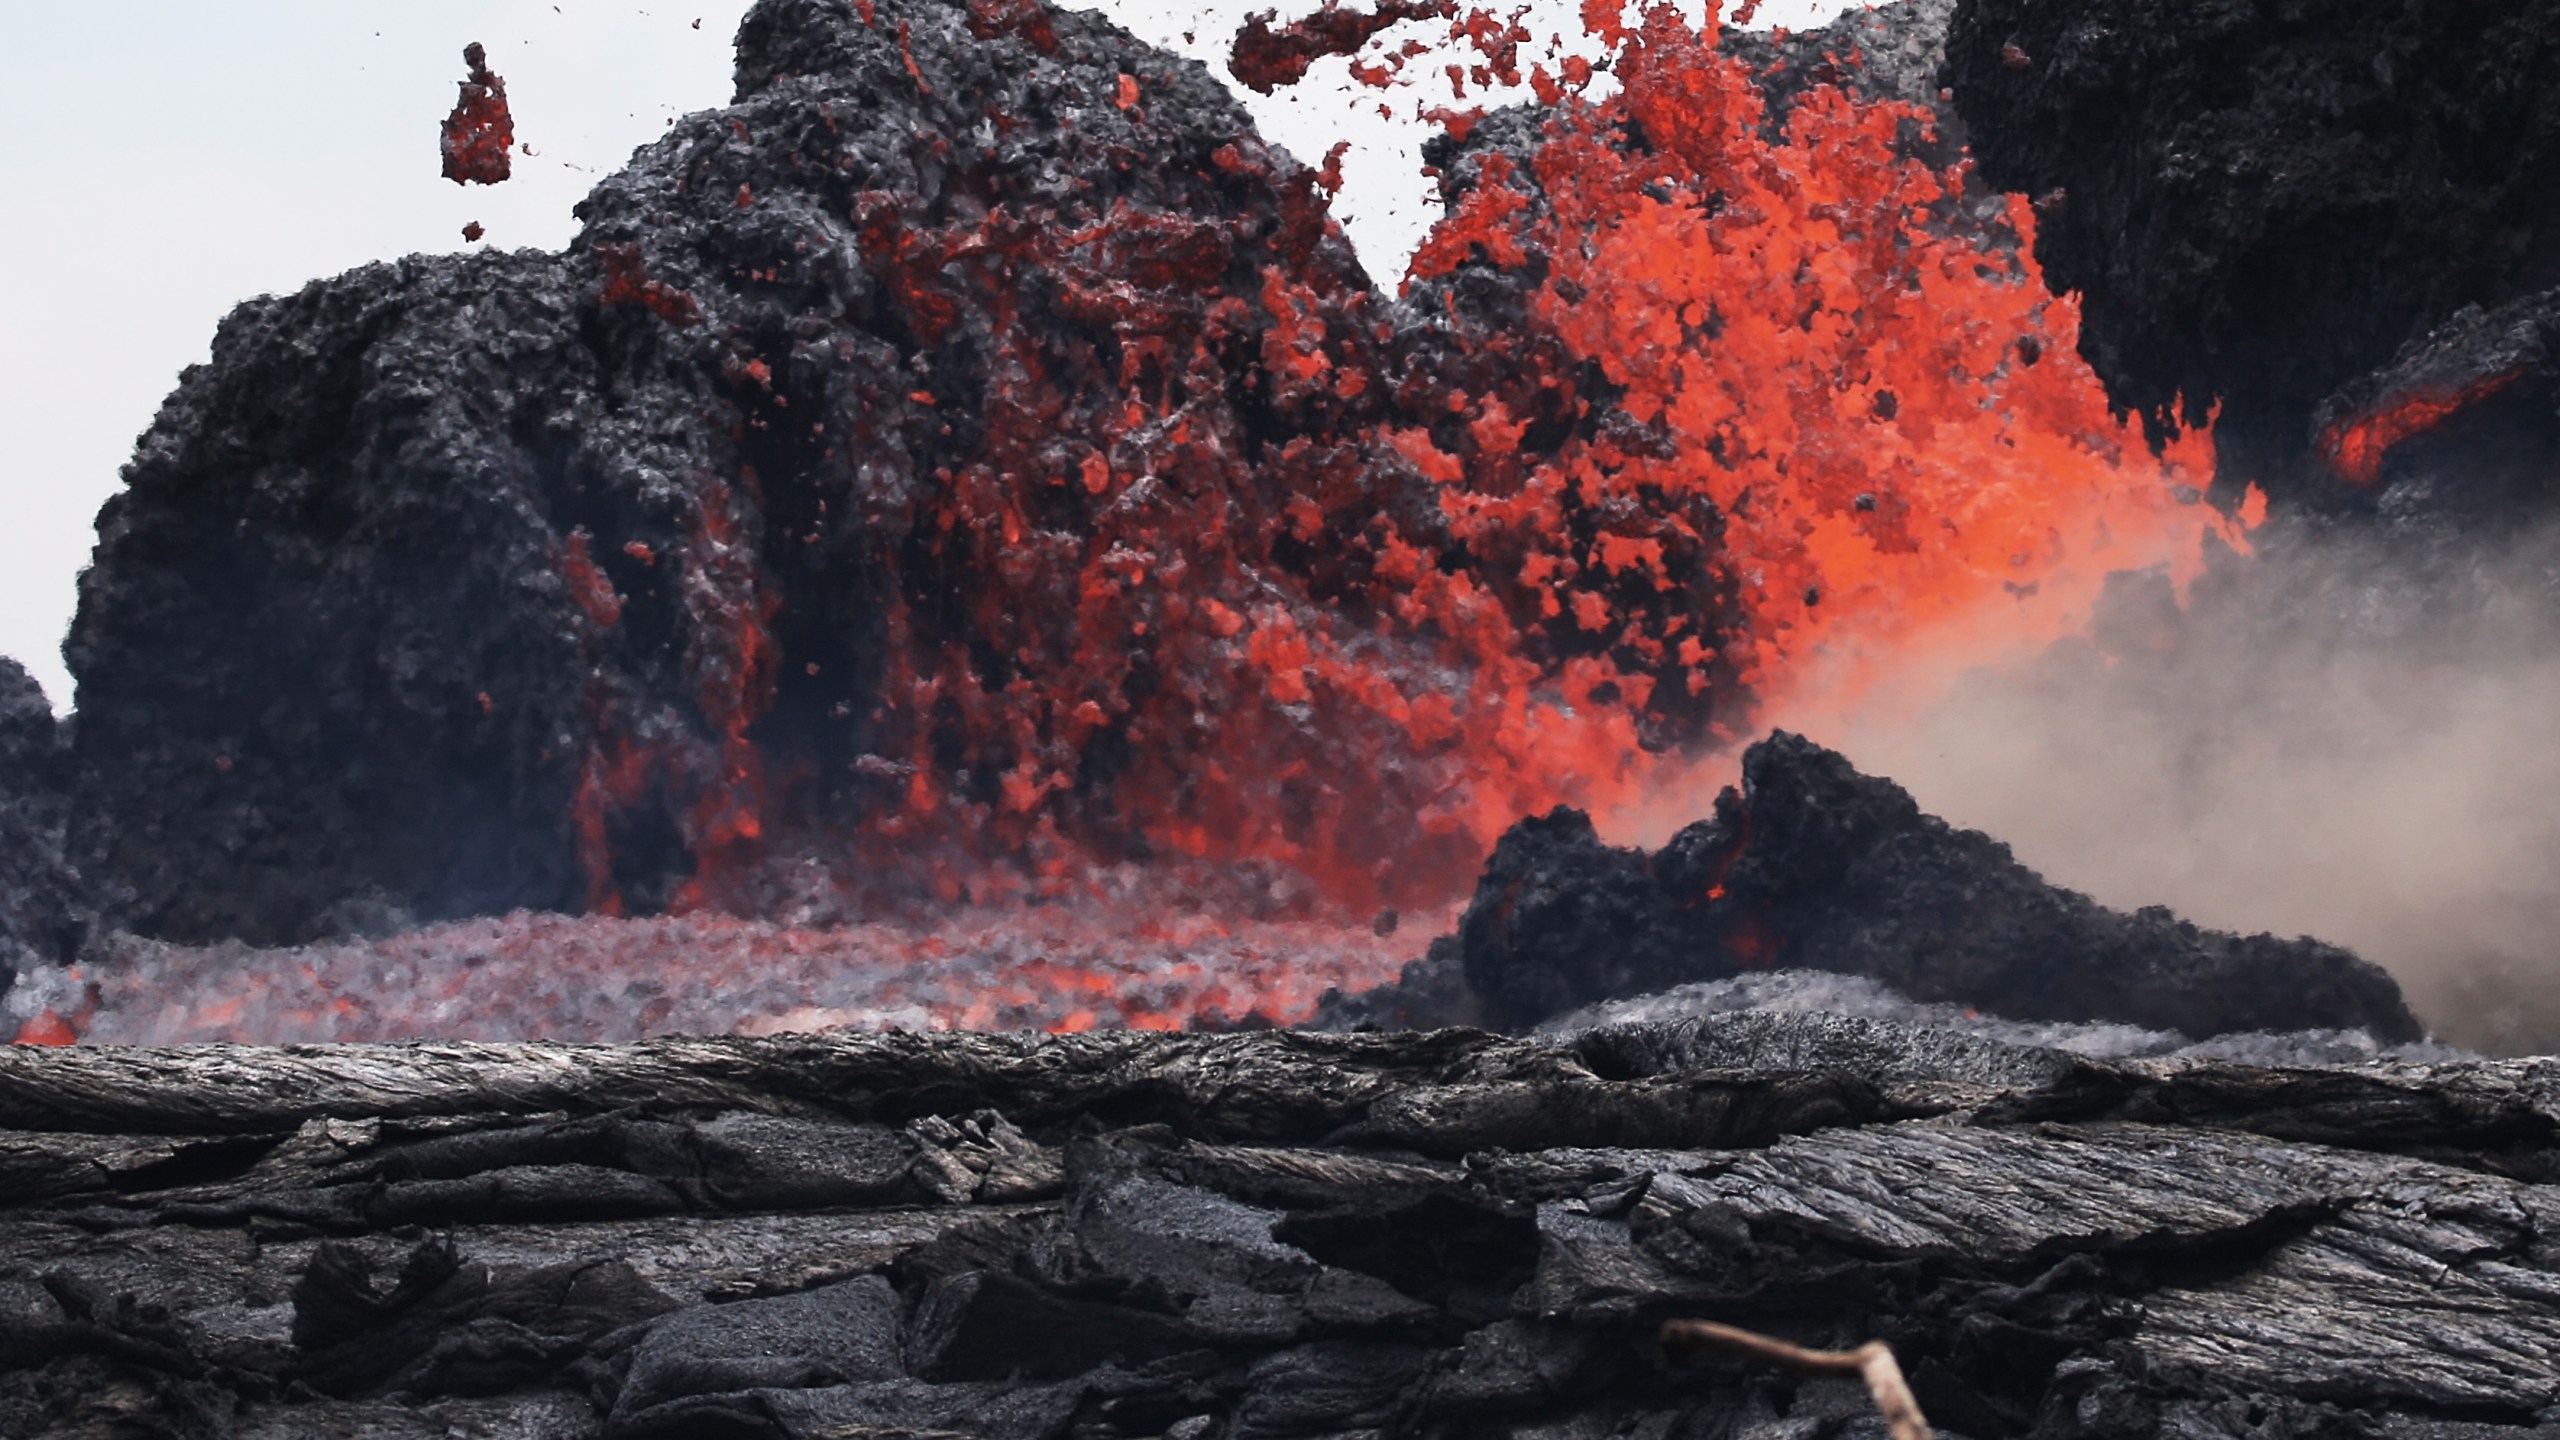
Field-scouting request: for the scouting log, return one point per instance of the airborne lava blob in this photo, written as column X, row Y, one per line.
column 480, row 131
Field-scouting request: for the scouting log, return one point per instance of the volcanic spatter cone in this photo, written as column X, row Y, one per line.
column 973, row 461
column 824, row 483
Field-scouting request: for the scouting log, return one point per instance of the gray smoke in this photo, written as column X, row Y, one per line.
column 2353, row 735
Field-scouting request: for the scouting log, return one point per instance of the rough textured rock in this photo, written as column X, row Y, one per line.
column 43, row 905
column 1883, row 52
column 1811, row 865
column 1234, row 1236
column 450, row 585
column 2456, row 433
column 2259, row 202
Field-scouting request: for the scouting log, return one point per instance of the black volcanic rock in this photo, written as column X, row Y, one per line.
column 441, row 559
column 1811, row 865
column 1882, row 52
column 2259, row 202
column 255, row 753
column 202, row 1241
column 44, row 912
column 2460, row 428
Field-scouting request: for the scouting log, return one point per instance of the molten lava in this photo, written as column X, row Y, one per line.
column 480, row 131
column 1768, row 414
column 1265, row 58
column 625, row 284
column 2356, row 445
column 557, row 977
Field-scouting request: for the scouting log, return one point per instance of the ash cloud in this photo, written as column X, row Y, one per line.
column 2348, row 735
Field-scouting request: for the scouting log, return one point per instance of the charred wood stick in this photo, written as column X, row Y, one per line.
column 1872, row 1362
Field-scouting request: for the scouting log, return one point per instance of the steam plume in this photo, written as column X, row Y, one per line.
column 2349, row 736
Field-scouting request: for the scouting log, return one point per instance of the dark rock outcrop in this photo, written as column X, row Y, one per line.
column 44, row 913
column 1812, row 865
column 1882, row 52
column 454, row 584
column 1103, row 1236
column 2456, row 434
column 2259, row 202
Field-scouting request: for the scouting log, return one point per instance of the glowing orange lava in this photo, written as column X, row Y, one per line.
column 2356, row 446
column 1841, row 428
column 46, row 1028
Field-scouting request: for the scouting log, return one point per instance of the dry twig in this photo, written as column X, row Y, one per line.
column 1872, row 1362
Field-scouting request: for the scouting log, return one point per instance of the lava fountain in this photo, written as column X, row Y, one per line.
column 1237, row 606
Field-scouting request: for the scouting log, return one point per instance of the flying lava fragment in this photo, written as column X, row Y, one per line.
column 1266, row 58
column 479, row 132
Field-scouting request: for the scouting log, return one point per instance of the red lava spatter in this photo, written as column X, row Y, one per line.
column 626, row 284
column 2356, row 446
column 1803, row 430
column 733, row 658
column 1893, row 424
column 1265, row 57
column 480, row 131
column 47, row 1028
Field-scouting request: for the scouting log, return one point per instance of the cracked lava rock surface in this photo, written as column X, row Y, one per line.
column 1272, row 1234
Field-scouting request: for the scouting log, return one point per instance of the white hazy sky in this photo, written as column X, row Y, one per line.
column 171, row 158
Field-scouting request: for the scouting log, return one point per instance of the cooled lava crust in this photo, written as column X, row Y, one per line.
column 1267, row 1237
